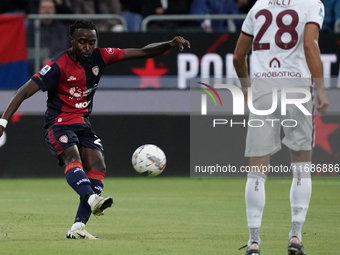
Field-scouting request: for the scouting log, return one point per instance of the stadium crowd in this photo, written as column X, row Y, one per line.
column 53, row 32
column 134, row 11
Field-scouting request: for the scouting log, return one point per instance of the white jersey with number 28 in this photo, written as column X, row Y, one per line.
column 277, row 28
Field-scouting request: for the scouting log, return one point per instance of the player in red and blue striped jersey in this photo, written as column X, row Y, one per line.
column 71, row 80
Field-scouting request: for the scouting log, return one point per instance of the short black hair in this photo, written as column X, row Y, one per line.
column 86, row 24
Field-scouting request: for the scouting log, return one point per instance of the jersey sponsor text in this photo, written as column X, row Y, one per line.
column 82, row 105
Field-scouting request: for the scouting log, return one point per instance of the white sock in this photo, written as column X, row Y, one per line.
column 77, row 225
column 255, row 200
column 300, row 194
column 91, row 199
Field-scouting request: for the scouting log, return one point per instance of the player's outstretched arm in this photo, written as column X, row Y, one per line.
column 312, row 53
column 155, row 49
column 24, row 92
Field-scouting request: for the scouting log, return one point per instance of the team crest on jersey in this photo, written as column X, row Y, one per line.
column 63, row 139
column 95, row 70
column 110, row 50
column 44, row 70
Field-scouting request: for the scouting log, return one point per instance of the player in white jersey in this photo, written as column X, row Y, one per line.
column 283, row 36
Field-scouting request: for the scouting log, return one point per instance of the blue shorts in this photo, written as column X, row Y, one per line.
column 61, row 137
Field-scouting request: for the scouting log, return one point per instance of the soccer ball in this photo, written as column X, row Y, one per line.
column 149, row 160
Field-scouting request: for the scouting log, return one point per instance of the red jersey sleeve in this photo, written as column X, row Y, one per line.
column 111, row 55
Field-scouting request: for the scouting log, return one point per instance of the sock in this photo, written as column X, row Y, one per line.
column 254, row 236
column 255, row 200
column 83, row 212
column 96, row 179
column 296, row 230
column 78, row 180
column 84, row 209
column 77, row 225
column 300, row 194
column 91, row 199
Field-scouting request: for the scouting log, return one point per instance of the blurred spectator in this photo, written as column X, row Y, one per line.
column 131, row 11
column 64, row 6
column 53, row 36
column 14, row 6
column 101, row 7
column 134, row 6
column 61, row 6
column 216, row 7
column 332, row 14
column 337, row 26
column 175, row 7
column 159, row 7
column 244, row 6
column 152, row 7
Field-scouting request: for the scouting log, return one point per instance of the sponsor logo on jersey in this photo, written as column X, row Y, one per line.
column 88, row 91
column 63, row 139
column 274, row 63
column 277, row 74
column 110, row 50
column 71, row 78
column 44, row 70
column 75, row 92
column 95, row 70
column 82, row 105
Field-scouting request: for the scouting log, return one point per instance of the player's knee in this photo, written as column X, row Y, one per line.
column 70, row 161
column 70, row 155
column 100, row 167
column 103, row 170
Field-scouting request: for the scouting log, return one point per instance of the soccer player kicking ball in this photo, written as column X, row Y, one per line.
column 71, row 80
column 283, row 36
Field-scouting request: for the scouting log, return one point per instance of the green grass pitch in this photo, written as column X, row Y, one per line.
column 162, row 216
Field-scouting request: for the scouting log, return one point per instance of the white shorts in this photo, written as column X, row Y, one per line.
column 298, row 128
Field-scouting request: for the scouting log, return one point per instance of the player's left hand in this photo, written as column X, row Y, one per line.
column 179, row 42
column 321, row 102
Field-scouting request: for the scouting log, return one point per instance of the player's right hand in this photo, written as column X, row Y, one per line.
column 179, row 42
column 321, row 102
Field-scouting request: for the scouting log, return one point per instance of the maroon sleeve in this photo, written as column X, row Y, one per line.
column 111, row 55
